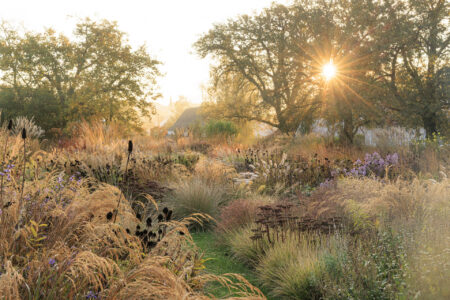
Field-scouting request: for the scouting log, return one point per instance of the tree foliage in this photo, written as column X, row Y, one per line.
column 263, row 54
column 94, row 75
column 392, row 58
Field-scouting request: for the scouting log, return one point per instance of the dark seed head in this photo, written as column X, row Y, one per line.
column 149, row 222
column 130, row 146
column 128, row 231
column 165, row 210
column 169, row 215
column 24, row 133
column 160, row 218
column 138, row 227
column 159, row 231
column 109, row 215
column 181, row 232
column 10, row 124
column 139, row 216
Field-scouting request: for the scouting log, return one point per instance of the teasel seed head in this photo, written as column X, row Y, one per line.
column 130, row 146
column 160, row 218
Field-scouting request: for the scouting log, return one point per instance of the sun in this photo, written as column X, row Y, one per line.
column 329, row 70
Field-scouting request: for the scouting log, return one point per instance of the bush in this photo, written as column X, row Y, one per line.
column 219, row 128
column 196, row 197
column 239, row 213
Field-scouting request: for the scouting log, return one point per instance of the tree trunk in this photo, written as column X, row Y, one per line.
column 346, row 134
column 430, row 124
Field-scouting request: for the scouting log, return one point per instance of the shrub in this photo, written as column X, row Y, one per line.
column 240, row 212
column 220, row 128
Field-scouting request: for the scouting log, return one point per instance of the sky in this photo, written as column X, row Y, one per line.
column 167, row 27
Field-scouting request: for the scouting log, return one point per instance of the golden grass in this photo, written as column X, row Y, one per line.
column 61, row 245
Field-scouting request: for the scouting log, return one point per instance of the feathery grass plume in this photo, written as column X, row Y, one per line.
column 10, row 125
column 130, row 150
column 10, row 282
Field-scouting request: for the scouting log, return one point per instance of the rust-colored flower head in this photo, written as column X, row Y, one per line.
column 24, row 133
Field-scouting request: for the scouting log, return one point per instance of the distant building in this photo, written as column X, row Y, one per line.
column 190, row 118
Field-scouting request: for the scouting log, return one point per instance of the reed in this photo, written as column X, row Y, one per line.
column 130, row 150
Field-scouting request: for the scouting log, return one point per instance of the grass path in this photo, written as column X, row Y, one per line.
column 219, row 262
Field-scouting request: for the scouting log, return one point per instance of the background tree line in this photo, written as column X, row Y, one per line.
column 60, row 80
column 392, row 58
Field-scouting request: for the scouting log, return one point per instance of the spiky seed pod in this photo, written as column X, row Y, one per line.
column 24, row 133
column 160, row 218
column 10, row 125
column 169, row 215
column 130, row 146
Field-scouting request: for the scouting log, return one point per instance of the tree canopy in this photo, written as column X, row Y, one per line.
column 391, row 56
column 93, row 75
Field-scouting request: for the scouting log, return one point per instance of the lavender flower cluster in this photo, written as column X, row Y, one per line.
column 373, row 165
column 7, row 171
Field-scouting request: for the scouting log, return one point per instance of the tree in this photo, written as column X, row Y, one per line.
column 266, row 53
column 414, row 45
column 97, row 75
column 343, row 31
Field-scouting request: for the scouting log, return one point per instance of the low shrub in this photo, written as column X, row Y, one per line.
column 220, row 128
column 240, row 212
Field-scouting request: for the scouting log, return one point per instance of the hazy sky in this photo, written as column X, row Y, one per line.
column 167, row 27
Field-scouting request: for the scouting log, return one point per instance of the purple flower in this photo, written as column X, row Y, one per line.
column 91, row 295
column 51, row 262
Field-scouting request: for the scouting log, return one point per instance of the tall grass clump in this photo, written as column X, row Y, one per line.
column 33, row 130
column 196, row 196
column 292, row 269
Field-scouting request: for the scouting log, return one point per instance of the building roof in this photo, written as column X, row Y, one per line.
column 188, row 118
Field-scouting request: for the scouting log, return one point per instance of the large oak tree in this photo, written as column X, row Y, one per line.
column 94, row 74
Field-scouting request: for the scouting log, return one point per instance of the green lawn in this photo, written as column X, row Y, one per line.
column 219, row 262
